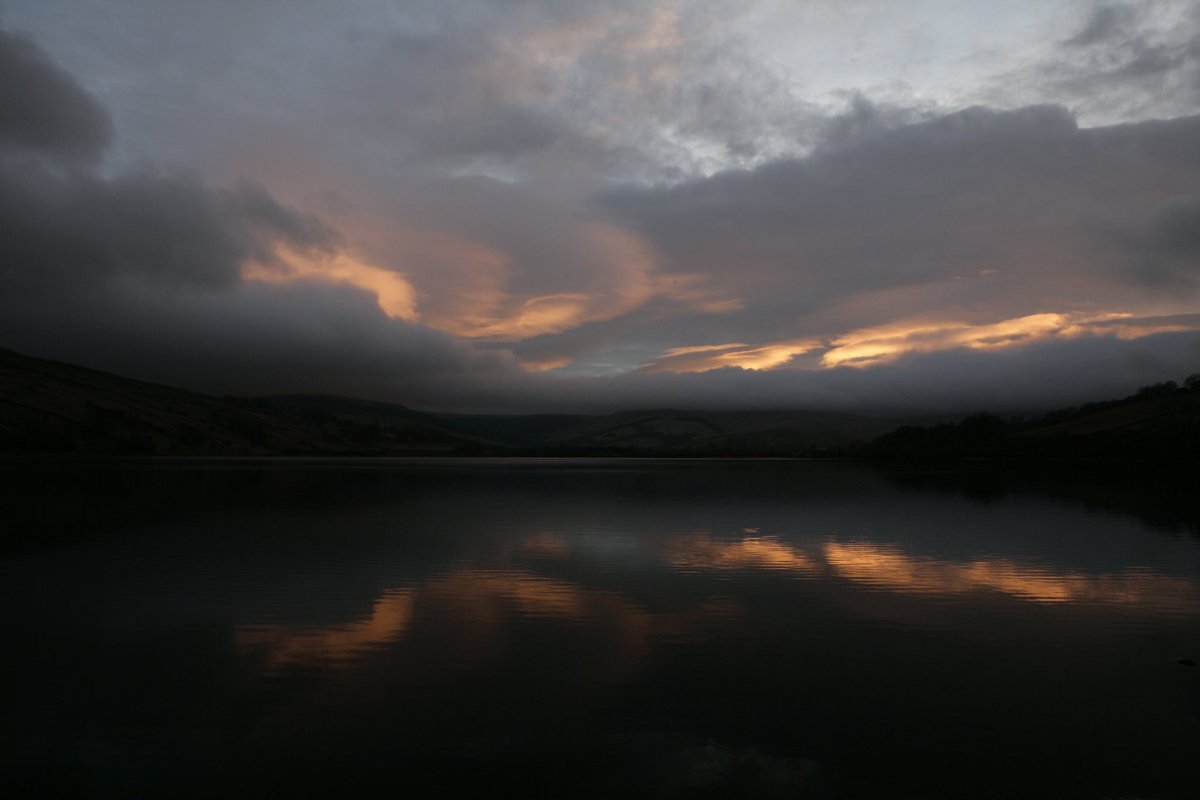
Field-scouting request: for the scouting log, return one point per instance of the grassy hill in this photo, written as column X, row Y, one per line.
column 48, row 406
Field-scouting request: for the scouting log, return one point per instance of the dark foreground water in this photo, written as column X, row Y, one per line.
column 595, row 629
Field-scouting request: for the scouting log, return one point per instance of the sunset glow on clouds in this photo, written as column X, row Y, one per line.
column 552, row 205
column 718, row 356
column 392, row 292
column 866, row 347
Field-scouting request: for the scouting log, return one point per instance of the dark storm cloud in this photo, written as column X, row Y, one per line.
column 64, row 224
column 41, row 107
column 472, row 144
column 144, row 272
column 74, row 230
column 259, row 339
column 995, row 208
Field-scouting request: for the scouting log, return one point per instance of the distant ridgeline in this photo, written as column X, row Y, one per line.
column 51, row 407
column 1160, row 421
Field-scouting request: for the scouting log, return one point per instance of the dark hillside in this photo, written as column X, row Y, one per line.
column 51, row 407
column 1160, row 422
column 717, row 433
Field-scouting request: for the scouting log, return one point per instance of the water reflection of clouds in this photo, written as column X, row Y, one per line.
column 890, row 569
column 472, row 591
column 284, row 645
column 546, row 544
column 477, row 604
column 700, row 551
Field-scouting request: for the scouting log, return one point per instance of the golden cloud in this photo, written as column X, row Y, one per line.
column 717, row 356
column 488, row 309
column 395, row 295
column 882, row 344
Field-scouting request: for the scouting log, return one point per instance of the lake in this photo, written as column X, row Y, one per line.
column 596, row 628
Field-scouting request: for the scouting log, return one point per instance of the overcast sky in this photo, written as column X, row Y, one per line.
column 887, row 207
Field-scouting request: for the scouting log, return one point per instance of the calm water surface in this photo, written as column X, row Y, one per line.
column 595, row 629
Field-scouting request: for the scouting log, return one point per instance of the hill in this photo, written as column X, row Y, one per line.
column 52, row 407
column 717, row 433
column 49, row 406
column 1160, row 421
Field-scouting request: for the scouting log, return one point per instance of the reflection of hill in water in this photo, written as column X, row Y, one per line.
column 1165, row 498
column 586, row 628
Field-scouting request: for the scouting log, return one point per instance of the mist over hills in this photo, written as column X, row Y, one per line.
column 56, row 408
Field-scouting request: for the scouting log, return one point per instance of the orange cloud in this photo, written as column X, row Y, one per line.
column 716, row 356
column 545, row 364
column 881, row 344
column 877, row 345
column 1126, row 326
column 486, row 307
column 869, row 346
column 395, row 295
column 691, row 290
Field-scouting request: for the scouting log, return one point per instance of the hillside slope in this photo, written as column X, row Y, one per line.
column 48, row 406
column 52, row 407
column 710, row 433
column 1158, row 422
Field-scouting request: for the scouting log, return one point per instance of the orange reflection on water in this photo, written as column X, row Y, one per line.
column 890, row 569
column 476, row 607
column 480, row 602
column 546, row 544
column 285, row 645
column 701, row 551
column 530, row 594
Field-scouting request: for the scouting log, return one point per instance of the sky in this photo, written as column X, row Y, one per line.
column 926, row 207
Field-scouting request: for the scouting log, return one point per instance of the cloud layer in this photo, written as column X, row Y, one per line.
column 595, row 205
